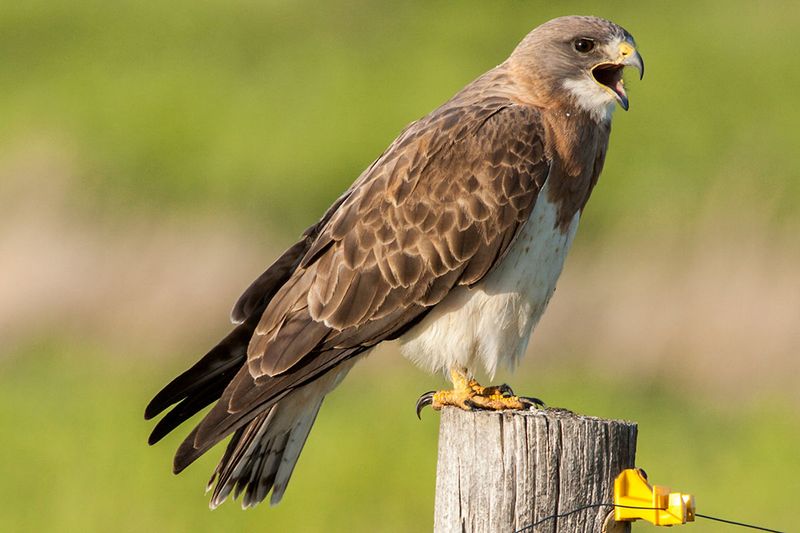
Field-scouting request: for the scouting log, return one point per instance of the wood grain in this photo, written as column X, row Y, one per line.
column 503, row 471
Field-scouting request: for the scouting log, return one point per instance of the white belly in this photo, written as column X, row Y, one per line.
column 491, row 322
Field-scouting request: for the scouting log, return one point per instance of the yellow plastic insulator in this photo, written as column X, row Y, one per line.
column 662, row 507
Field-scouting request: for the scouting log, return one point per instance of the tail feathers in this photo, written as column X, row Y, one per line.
column 261, row 456
column 244, row 399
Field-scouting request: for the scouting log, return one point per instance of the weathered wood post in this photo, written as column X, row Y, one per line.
column 500, row 472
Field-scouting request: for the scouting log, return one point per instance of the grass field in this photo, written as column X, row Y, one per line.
column 154, row 155
column 245, row 106
column 76, row 459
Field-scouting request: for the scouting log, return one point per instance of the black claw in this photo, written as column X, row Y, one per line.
column 472, row 406
column 535, row 403
column 423, row 401
column 506, row 390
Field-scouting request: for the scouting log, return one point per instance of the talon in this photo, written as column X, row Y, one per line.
column 534, row 403
column 505, row 390
column 423, row 401
column 470, row 395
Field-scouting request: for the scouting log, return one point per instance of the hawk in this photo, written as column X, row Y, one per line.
column 450, row 242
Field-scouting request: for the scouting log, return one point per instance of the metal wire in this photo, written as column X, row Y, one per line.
column 583, row 508
column 737, row 523
column 596, row 505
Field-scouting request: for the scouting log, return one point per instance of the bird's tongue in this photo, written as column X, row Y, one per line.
column 619, row 88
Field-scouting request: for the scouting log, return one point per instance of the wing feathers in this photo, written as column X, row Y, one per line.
column 458, row 191
column 267, row 284
column 298, row 337
column 201, row 384
column 437, row 210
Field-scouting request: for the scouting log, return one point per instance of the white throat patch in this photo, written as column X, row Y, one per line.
column 591, row 97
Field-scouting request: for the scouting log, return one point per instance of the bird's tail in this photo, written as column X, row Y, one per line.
column 261, row 455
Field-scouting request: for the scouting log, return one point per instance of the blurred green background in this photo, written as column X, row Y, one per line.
column 154, row 156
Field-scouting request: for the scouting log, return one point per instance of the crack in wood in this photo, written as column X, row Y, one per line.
column 500, row 472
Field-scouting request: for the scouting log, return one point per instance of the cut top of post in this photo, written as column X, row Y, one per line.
column 504, row 471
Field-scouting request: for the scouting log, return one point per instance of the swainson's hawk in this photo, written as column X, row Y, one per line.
column 451, row 241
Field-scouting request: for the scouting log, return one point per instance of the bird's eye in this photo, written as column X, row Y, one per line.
column 583, row 45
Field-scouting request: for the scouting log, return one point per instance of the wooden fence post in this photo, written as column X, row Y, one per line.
column 500, row 472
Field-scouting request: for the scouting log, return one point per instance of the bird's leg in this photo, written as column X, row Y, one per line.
column 469, row 395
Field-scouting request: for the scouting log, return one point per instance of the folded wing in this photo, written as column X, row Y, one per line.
column 437, row 210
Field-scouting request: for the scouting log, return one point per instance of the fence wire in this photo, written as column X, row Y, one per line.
column 597, row 505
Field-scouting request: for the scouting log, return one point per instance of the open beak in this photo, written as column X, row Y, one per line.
column 609, row 75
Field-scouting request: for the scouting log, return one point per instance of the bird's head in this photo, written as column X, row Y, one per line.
column 578, row 60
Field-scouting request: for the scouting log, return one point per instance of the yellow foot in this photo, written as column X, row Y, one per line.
column 473, row 396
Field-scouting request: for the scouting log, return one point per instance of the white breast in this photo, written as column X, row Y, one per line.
column 491, row 322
